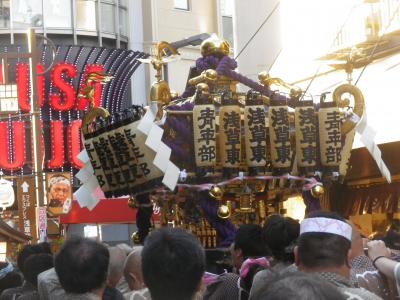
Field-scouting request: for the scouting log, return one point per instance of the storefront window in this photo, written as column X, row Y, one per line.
column 107, row 17
column 4, row 13
column 27, row 13
column 86, row 15
column 123, row 21
column 227, row 24
column 57, row 13
column 181, row 4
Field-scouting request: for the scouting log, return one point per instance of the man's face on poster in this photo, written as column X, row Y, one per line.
column 59, row 192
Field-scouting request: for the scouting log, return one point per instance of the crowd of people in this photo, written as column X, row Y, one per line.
column 323, row 257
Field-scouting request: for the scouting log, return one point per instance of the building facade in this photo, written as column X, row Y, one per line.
column 173, row 20
column 101, row 23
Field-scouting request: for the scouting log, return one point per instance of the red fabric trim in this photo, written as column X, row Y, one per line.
column 106, row 211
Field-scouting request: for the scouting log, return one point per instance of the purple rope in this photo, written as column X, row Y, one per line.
column 208, row 62
column 226, row 67
column 189, row 92
column 312, row 204
column 225, row 229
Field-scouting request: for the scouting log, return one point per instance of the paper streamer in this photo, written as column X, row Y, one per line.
column 87, row 195
column 154, row 133
column 368, row 139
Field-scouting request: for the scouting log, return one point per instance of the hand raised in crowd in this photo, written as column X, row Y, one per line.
column 376, row 249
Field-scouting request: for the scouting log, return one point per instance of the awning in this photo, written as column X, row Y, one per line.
column 106, row 211
column 9, row 234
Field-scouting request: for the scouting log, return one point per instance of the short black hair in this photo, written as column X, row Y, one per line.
column 36, row 264
column 29, row 250
column 25, row 252
column 173, row 263
column 299, row 286
column 81, row 265
column 280, row 235
column 392, row 235
column 249, row 240
column 320, row 249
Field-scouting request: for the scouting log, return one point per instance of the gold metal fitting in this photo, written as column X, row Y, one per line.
column 206, row 76
column 214, row 46
column 203, row 88
column 263, row 77
column 317, row 190
column 135, row 237
column 132, row 202
column 224, row 212
column 216, row 192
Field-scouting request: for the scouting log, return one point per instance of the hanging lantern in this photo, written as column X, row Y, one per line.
column 7, row 196
column 106, row 158
column 140, row 158
column 306, row 136
column 204, row 129
column 255, row 129
column 124, row 157
column 329, row 135
column 279, row 136
column 96, row 163
column 230, row 135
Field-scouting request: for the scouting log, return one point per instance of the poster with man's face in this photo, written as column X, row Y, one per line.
column 59, row 193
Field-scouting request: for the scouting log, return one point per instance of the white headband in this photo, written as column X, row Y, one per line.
column 326, row 225
column 58, row 179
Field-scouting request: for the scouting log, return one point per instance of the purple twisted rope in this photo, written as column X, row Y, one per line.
column 226, row 67
column 225, row 229
column 208, row 62
column 189, row 92
column 312, row 204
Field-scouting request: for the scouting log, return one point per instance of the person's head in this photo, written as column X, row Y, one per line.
column 173, row 263
column 133, row 269
column 115, row 266
column 298, row 286
column 36, row 264
column 248, row 243
column 25, row 252
column 59, row 188
column 81, row 265
column 392, row 236
column 280, row 234
column 324, row 244
column 29, row 250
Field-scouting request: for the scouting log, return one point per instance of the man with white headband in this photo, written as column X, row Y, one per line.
column 58, row 196
column 324, row 248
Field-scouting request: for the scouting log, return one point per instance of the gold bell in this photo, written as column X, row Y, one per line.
column 132, row 202
column 135, row 237
column 317, row 190
column 216, row 192
column 224, row 212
